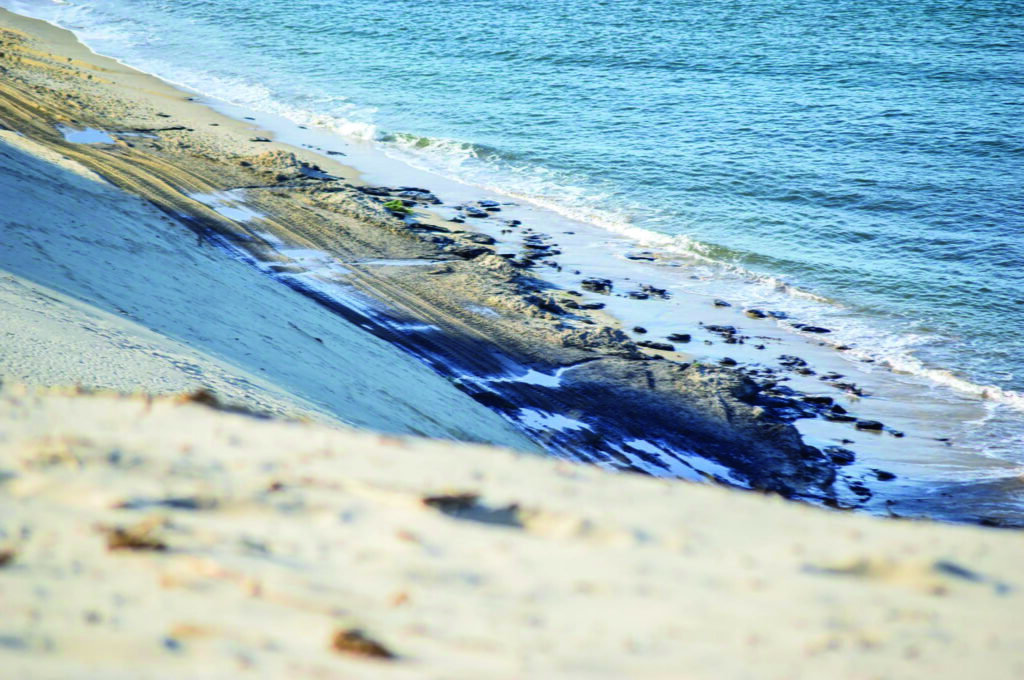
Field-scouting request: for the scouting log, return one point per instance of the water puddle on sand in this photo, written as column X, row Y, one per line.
column 86, row 136
column 229, row 205
column 399, row 263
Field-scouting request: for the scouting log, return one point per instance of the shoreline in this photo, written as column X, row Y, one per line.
column 370, row 158
column 531, row 304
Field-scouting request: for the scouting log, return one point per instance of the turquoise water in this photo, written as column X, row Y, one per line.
column 870, row 154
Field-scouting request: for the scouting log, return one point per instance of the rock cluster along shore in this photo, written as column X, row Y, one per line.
column 614, row 392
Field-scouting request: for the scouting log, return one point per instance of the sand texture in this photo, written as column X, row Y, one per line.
column 156, row 538
column 192, row 333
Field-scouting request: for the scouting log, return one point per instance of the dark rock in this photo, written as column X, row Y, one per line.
column 840, row 456
column 476, row 212
column 870, row 425
column 468, row 252
column 258, row 139
column 638, row 295
column 639, row 329
column 545, row 303
column 597, row 285
column 592, row 305
column 570, row 304
column 836, row 408
column 483, row 239
column 817, row 400
column 679, row 337
column 860, row 489
column 722, row 303
column 651, row 344
column 811, row 329
column 423, row 196
column 442, row 240
column 421, row 226
column 755, row 314
column 884, row 476
column 648, row 258
column 727, row 361
column 839, row 417
column 336, row 153
column 488, row 204
column 375, row 191
column 657, row 292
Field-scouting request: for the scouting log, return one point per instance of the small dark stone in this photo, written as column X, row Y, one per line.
column 884, row 476
column 592, row 305
column 597, row 285
column 467, row 252
column 870, row 425
column 727, row 361
column 840, row 456
column 811, row 329
column 860, row 489
column 651, row 344
column 421, row 226
column 639, row 329
column 356, row 642
column 482, row 239
column 722, row 303
column 375, row 191
column 817, row 400
column 755, row 314
column 679, row 337
column 258, row 139
column 638, row 295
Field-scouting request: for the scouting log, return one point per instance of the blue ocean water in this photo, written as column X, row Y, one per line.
column 869, row 154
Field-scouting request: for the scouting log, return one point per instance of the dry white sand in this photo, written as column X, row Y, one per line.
column 277, row 536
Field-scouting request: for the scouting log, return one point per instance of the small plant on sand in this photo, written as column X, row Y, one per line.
column 397, row 206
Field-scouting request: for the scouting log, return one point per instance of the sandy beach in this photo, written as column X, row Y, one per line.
column 261, row 415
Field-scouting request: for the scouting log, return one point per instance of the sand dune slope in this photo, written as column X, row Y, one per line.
column 154, row 538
